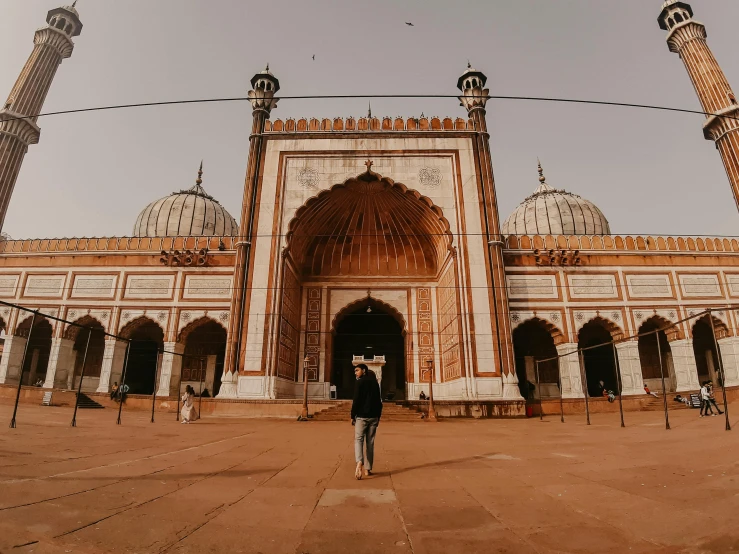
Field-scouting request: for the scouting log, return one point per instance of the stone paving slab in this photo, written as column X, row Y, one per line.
column 275, row 486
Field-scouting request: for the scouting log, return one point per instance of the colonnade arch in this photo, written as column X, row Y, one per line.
column 147, row 340
column 704, row 347
column 204, row 343
column 599, row 363
column 95, row 351
column 39, row 348
column 537, row 339
column 662, row 332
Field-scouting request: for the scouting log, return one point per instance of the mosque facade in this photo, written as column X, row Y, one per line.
column 370, row 239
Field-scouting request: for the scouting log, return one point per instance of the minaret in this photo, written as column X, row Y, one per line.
column 52, row 44
column 262, row 98
column 474, row 98
column 687, row 38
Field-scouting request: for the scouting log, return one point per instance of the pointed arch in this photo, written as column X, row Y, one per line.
column 72, row 331
column 557, row 335
column 616, row 332
column 722, row 330
column 137, row 323
column 369, row 225
column 194, row 325
column 374, row 303
column 23, row 326
column 671, row 331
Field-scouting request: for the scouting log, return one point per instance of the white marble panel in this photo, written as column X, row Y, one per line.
column 700, row 285
column 8, row 285
column 530, row 286
column 649, row 286
column 592, row 286
column 94, row 286
column 50, row 286
column 211, row 286
column 149, row 286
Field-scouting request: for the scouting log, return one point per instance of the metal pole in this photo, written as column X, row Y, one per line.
column 82, row 376
column 720, row 371
column 20, row 371
column 538, row 389
column 432, row 410
column 304, row 411
column 619, row 384
column 179, row 389
column 561, row 401
column 662, row 374
column 121, row 389
column 584, row 376
column 200, row 397
column 156, row 380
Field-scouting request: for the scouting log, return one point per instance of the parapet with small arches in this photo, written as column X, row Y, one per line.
column 371, row 124
column 224, row 244
column 628, row 243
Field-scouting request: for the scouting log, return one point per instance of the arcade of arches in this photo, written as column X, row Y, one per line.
column 660, row 352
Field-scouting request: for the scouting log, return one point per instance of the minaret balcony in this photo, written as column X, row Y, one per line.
column 722, row 122
column 18, row 126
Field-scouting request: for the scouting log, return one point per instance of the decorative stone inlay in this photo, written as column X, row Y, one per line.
column 73, row 314
column 579, row 316
column 161, row 316
column 104, row 316
column 186, row 316
column 430, row 176
column 515, row 318
column 639, row 315
column 554, row 317
column 672, row 314
column 615, row 316
column 126, row 316
column 308, row 177
column 223, row 316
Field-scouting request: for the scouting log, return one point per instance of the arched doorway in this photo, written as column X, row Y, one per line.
column 205, row 350
column 649, row 355
column 599, row 362
column 368, row 328
column 95, row 350
column 532, row 341
column 39, row 348
column 704, row 348
column 147, row 339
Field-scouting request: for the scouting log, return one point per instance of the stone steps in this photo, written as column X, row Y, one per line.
column 390, row 412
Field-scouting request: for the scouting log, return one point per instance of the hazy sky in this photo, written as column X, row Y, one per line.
column 91, row 174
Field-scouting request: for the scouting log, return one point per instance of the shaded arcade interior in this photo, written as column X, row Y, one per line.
column 368, row 329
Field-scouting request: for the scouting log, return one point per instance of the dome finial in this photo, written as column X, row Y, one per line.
column 199, row 180
column 542, row 179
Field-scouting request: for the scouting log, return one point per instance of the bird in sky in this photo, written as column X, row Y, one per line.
column 409, row 24
column 314, row 57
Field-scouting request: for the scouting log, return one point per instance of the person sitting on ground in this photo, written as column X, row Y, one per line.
column 123, row 392
column 646, row 390
column 188, row 405
column 39, row 383
column 114, row 390
column 422, row 396
column 205, row 394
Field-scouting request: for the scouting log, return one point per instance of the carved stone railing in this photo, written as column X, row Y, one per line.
column 372, row 124
column 621, row 243
column 117, row 244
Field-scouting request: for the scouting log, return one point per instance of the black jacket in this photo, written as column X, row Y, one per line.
column 367, row 399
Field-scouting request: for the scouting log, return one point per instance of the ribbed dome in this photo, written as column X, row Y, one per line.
column 190, row 212
column 550, row 211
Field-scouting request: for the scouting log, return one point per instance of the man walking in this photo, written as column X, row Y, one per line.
column 705, row 401
column 366, row 413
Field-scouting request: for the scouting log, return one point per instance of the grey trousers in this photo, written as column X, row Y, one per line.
column 365, row 430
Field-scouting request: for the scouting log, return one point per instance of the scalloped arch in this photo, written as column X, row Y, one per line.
column 374, row 303
column 555, row 332
column 194, row 325
column 369, row 225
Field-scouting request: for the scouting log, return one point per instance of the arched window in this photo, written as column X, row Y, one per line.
column 678, row 18
column 60, row 24
column 69, row 29
column 670, row 22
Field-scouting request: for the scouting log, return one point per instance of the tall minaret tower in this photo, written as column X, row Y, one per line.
column 474, row 99
column 687, row 37
column 18, row 127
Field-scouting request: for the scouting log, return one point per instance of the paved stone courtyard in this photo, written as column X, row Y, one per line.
column 273, row 486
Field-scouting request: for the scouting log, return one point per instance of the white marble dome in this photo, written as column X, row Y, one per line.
column 550, row 211
column 190, row 212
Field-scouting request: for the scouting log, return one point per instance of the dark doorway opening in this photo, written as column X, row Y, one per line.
column 531, row 342
column 39, row 348
column 368, row 330
column 649, row 356
column 600, row 363
column 143, row 358
column 205, row 345
column 704, row 348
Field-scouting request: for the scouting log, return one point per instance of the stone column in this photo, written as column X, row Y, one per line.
column 632, row 380
column 729, row 347
column 112, row 367
column 210, row 373
column 10, row 364
column 686, row 371
column 61, row 362
column 169, row 375
column 569, row 371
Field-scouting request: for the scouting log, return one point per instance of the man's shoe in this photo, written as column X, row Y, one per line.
column 367, row 472
column 358, row 471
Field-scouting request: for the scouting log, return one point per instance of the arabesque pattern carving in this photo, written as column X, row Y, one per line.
column 449, row 325
column 287, row 356
column 313, row 332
